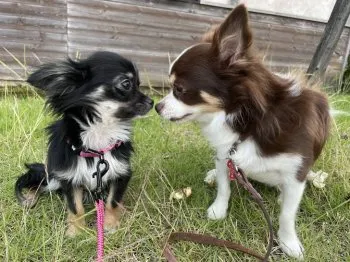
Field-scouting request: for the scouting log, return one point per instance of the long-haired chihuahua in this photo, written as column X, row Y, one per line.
column 95, row 101
column 277, row 125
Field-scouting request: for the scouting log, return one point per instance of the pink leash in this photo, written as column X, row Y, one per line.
column 101, row 169
column 100, row 217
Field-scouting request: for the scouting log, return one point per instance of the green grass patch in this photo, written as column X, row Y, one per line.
column 168, row 156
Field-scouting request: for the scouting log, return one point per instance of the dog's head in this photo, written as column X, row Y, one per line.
column 211, row 76
column 103, row 81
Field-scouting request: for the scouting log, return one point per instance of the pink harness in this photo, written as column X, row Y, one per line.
column 92, row 153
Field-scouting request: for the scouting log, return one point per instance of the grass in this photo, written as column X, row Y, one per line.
column 168, row 156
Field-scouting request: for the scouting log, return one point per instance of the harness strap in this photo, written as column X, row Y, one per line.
column 88, row 152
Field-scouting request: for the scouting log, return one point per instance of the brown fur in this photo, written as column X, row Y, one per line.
column 257, row 102
column 76, row 222
column 112, row 214
column 112, row 217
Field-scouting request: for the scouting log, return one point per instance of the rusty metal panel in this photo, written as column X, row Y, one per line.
column 152, row 32
column 31, row 32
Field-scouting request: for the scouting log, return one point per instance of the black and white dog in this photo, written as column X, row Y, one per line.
column 95, row 100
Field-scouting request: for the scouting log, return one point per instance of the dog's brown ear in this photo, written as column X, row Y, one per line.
column 208, row 36
column 232, row 39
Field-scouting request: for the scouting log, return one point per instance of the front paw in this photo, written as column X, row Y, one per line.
column 73, row 230
column 112, row 219
column 218, row 210
column 210, row 177
column 111, row 227
column 291, row 246
column 76, row 224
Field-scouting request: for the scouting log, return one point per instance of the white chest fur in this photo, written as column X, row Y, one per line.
column 99, row 135
column 82, row 173
column 107, row 131
column 271, row 170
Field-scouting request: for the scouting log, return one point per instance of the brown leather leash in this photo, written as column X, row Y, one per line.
column 235, row 174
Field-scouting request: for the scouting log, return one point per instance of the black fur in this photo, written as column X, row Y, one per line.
column 32, row 179
column 75, row 92
column 119, row 189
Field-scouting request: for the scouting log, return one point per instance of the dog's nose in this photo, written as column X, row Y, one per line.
column 159, row 107
column 150, row 101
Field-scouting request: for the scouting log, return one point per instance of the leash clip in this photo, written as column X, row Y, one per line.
column 99, row 174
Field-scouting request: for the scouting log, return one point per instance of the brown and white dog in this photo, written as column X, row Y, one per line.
column 279, row 123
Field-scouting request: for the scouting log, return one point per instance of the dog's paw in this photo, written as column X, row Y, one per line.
column 110, row 228
column 218, row 210
column 112, row 219
column 72, row 231
column 291, row 246
column 210, row 177
column 109, row 231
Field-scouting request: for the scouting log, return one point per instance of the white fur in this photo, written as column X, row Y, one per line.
column 174, row 108
column 99, row 135
column 279, row 170
column 82, row 174
column 210, row 177
column 291, row 194
column 295, row 89
column 218, row 210
column 52, row 185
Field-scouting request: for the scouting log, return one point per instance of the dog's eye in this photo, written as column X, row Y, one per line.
column 179, row 90
column 126, row 84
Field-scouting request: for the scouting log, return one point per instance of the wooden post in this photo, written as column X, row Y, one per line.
column 329, row 40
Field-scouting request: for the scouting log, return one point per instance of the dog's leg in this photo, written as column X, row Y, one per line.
column 113, row 209
column 75, row 218
column 218, row 209
column 291, row 192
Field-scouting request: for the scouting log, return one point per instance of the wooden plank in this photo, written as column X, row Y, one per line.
column 37, row 26
column 146, row 31
column 330, row 38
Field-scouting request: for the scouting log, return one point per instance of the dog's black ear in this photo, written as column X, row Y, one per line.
column 232, row 39
column 59, row 78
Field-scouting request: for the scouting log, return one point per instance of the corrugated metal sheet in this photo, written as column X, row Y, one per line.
column 31, row 30
column 145, row 34
column 150, row 32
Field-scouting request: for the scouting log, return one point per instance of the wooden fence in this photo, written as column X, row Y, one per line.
column 150, row 32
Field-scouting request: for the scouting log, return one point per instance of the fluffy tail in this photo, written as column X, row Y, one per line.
column 34, row 180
